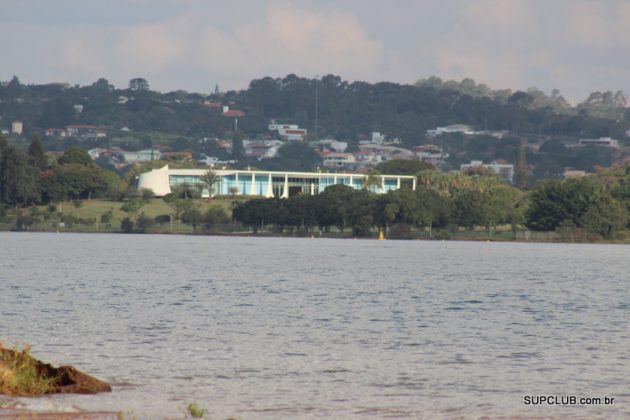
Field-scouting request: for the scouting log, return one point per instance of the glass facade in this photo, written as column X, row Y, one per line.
column 257, row 183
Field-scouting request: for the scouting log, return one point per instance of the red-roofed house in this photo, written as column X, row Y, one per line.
column 234, row 113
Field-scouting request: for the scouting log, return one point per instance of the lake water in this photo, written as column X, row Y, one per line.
column 305, row 328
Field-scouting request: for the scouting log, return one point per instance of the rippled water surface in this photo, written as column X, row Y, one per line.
column 302, row 328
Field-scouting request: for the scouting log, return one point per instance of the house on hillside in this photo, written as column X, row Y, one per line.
column 329, row 145
column 146, row 155
column 601, row 142
column 430, row 154
column 80, row 131
column 261, row 149
column 17, row 127
column 338, row 160
column 291, row 132
column 500, row 167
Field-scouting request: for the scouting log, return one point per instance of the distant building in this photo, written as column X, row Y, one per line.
column 430, row 154
column 212, row 104
column 329, row 144
column 377, row 138
column 55, row 132
column 450, row 129
column 17, row 127
column 503, row 169
column 291, row 132
column 85, row 131
column 463, row 129
column 146, row 155
column 233, row 113
column 261, row 149
column 601, row 142
column 573, row 173
column 264, row 183
column 77, row 130
column 338, row 160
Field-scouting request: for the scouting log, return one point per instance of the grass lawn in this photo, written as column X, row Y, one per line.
column 90, row 211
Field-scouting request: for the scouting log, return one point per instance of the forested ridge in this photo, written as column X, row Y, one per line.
column 345, row 110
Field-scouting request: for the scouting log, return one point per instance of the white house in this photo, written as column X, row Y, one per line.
column 142, row 155
column 17, row 127
column 338, row 160
column 602, row 142
column 261, row 149
column 329, row 144
column 291, row 132
column 430, row 154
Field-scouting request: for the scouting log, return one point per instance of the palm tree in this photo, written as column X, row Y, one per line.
column 209, row 179
column 373, row 179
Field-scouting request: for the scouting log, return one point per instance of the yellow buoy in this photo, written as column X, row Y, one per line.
column 381, row 237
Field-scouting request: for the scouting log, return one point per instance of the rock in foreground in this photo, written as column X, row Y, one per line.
column 21, row 374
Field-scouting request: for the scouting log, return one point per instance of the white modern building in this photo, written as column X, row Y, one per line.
column 601, row 142
column 263, row 183
column 291, row 132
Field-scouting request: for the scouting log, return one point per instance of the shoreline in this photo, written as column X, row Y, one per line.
column 25, row 414
column 462, row 238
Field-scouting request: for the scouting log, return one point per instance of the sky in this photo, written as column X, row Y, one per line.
column 575, row 46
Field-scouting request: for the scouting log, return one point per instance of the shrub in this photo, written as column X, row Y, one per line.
column 147, row 194
column 19, row 374
column 144, row 222
column 163, row 219
column 24, row 221
column 126, row 225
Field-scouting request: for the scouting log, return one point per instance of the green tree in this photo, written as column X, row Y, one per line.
column 605, row 217
column 372, row 181
column 403, row 167
column 36, row 153
column 209, row 179
column 215, row 215
column 237, row 147
column 144, row 222
column 554, row 202
column 138, row 84
column 18, row 177
column 76, row 155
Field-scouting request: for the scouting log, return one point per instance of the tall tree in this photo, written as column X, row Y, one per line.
column 36, row 153
column 209, row 178
column 520, row 178
column 138, row 84
column 18, row 177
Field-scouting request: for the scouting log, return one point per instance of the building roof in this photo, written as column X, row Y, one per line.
column 235, row 113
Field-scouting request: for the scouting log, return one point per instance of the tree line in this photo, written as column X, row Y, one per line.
column 28, row 178
column 595, row 206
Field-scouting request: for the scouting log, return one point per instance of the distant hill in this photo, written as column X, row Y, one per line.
column 344, row 110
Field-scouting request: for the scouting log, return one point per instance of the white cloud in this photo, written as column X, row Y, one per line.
column 292, row 40
column 576, row 46
column 150, row 46
column 588, row 26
